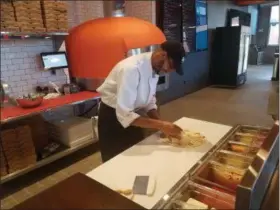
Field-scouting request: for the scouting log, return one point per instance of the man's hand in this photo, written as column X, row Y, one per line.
column 171, row 130
column 164, row 136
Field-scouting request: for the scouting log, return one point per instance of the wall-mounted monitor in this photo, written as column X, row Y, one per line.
column 54, row 60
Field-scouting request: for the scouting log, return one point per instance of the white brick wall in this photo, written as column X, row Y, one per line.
column 21, row 66
column 20, row 62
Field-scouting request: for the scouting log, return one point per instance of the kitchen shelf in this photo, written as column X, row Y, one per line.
column 13, row 113
column 29, row 35
column 9, row 114
column 45, row 161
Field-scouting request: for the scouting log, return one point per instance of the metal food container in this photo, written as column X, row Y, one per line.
column 241, row 148
column 249, row 139
column 197, row 196
column 233, row 159
column 254, row 130
column 250, row 136
column 235, row 175
column 223, row 175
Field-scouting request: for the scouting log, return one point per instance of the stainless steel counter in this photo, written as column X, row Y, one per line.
column 234, row 176
column 231, row 171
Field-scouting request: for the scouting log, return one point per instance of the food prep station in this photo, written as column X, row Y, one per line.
column 234, row 176
column 232, row 172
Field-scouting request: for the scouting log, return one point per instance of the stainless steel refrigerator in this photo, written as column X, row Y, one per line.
column 229, row 56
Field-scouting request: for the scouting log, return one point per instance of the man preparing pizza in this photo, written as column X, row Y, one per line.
column 130, row 88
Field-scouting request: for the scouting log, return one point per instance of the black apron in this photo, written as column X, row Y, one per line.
column 113, row 137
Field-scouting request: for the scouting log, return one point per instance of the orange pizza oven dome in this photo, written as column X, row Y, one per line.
column 94, row 47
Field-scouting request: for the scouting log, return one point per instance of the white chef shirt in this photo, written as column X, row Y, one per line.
column 130, row 87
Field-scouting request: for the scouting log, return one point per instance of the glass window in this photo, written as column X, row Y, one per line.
column 274, row 14
column 273, row 38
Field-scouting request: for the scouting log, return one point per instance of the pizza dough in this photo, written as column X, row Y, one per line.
column 126, row 193
column 188, row 139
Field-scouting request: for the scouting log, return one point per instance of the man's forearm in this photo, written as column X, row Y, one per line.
column 153, row 114
column 145, row 122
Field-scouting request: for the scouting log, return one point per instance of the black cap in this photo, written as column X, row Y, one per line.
column 176, row 52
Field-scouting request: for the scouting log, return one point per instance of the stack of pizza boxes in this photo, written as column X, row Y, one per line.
column 3, row 163
column 18, row 148
column 8, row 20
column 55, row 15
column 11, row 149
column 26, row 145
column 29, row 16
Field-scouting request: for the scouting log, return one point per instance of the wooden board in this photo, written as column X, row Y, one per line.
column 78, row 192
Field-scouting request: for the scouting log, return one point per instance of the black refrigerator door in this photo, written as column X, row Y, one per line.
column 225, row 57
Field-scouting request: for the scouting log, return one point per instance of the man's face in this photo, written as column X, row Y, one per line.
column 163, row 63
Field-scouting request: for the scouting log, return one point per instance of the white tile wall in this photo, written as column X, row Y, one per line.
column 20, row 62
column 21, row 66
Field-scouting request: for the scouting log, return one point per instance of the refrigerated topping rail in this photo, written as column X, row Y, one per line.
column 231, row 188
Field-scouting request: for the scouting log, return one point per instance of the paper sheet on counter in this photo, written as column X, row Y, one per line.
column 166, row 163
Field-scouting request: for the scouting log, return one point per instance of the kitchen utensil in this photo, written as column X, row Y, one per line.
column 143, row 185
column 70, row 88
column 3, row 87
column 55, row 87
column 6, row 100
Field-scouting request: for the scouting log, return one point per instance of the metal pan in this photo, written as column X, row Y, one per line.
column 224, row 176
column 233, row 159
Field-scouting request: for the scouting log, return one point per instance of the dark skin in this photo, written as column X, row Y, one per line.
column 153, row 114
column 161, row 63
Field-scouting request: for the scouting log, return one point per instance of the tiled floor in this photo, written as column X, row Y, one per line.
column 244, row 105
column 16, row 191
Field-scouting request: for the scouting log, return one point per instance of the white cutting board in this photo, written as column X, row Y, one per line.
column 167, row 164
